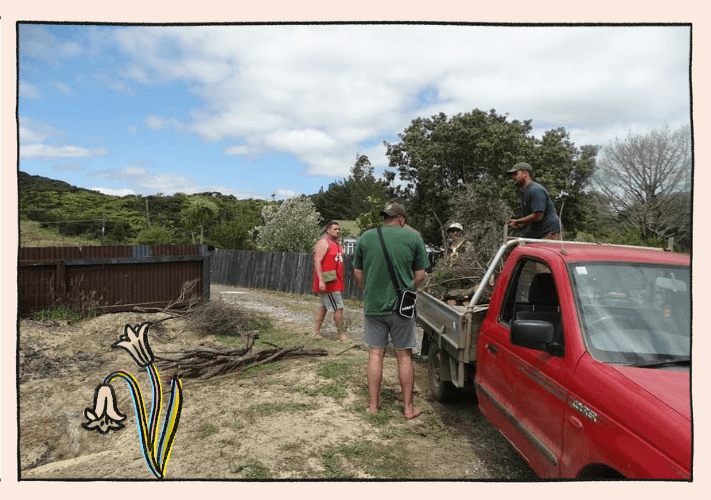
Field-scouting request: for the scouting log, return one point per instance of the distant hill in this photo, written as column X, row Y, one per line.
column 27, row 182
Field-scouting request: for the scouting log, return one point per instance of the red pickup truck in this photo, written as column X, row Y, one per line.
column 581, row 359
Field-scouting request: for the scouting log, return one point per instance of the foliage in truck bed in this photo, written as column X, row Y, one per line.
column 458, row 274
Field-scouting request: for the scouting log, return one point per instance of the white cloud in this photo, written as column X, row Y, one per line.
column 33, row 135
column 63, row 88
column 159, row 123
column 285, row 194
column 68, row 167
column 113, row 192
column 319, row 92
column 112, row 83
column 143, row 181
column 34, row 131
column 29, row 90
column 46, row 152
column 37, row 41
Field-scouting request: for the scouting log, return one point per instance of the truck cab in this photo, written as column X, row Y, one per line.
column 583, row 360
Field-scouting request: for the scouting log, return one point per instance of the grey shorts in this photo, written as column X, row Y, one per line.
column 402, row 331
column 332, row 300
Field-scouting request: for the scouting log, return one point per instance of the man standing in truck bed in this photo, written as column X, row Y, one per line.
column 409, row 259
column 538, row 218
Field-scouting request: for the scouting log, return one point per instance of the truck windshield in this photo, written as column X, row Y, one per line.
column 634, row 313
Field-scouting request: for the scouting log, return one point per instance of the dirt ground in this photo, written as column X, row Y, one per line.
column 286, row 421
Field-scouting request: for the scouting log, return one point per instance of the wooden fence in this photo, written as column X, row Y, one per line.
column 282, row 271
column 109, row 278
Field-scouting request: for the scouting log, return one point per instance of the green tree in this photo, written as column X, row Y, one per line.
column 238, row 218
column 437, row 156
column 154, row 235
column 646, row 179
column 347, row 199
column 566, row 173
column 371, row 218
column 199, row 211
column 333, row 203
column 292, row 226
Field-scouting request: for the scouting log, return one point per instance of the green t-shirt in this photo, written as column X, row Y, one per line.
column 407, row 253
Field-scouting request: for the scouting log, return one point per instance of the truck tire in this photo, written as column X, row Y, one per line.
column 442, row 390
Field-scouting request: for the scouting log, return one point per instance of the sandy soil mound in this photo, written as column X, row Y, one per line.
column 287, row 421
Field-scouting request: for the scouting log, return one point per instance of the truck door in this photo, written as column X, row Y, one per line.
column 537, row 399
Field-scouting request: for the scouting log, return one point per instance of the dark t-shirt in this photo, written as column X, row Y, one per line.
column 535, row 198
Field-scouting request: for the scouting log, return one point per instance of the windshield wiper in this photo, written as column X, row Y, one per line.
column 682, row 361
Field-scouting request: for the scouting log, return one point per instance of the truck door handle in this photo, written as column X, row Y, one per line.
column 492, row 348
column 576, row 422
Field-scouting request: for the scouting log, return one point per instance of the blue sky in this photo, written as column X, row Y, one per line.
column 262, row 110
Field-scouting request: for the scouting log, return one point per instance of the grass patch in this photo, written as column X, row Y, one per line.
column 268, row 409
column 32, row 234
column 333, row 390
column 59, row 313
column 207, row 429
column 238, row 425
column 290, row 447
column 253, row 469
column 382, row 462
column 347, row 369
column 341, row 376
column 390, row 407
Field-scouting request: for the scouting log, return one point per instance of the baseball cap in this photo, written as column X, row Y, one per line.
column 455, row 225
column 393, row 210
column 519, row 166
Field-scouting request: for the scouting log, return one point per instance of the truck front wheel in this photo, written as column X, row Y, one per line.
column 441, row 390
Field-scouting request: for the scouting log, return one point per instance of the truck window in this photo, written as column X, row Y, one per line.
column 634, row 313
column 531, row 289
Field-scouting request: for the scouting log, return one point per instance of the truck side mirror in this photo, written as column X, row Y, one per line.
column 535, row 334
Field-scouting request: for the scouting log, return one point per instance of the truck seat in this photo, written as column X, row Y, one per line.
column 542, row 293
column 543, row 303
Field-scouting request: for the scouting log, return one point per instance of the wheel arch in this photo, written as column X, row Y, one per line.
column 599, row 471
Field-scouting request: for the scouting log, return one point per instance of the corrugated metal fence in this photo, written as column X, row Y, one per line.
column 109, row 278
column 282, row 271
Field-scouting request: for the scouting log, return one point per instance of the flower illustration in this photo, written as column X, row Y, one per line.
column 105, row 416
column 156, row 446
column 135, row 341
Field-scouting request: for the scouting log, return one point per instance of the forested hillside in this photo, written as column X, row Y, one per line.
column 69, row 211
column 636, row 191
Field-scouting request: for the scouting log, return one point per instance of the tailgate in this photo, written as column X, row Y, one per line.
column 448, row 326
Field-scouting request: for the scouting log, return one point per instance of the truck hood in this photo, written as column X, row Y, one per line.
column 669, row 386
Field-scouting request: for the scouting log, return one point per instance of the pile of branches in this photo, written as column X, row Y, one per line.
column 204, row 363
column 214, row 317
column 456, row 276
column 209, row 317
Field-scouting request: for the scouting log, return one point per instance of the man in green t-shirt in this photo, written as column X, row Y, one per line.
column 409, row 258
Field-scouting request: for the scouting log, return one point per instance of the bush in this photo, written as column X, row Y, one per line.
column 154, row 235
column 58, row 313
column 293, row 226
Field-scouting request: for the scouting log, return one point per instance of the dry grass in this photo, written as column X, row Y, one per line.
column 214, row 317
column 32, row 234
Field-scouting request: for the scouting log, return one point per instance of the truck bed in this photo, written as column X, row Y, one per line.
column 449, row 326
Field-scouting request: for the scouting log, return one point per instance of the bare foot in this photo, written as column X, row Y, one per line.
column 344, row 339
column 370, row 412
column 413, row 414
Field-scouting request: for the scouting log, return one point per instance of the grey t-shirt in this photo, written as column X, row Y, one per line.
column 535, row 198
